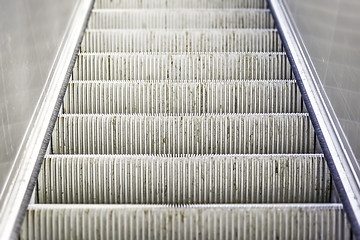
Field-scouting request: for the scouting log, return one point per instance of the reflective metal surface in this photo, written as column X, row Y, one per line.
column 46, row 65
column 31, row 33
column 342, row 163
column 330, row 30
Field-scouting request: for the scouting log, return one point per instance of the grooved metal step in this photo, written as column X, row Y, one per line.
column 165, row 40
column 183, row 134
column 184, row 179
column 275, row 221
column 187, row 103
column 191, row 66
column 168, row 96
column 180, row 4
column 180, row 18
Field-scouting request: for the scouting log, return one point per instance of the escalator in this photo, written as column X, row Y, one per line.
column 183, row 119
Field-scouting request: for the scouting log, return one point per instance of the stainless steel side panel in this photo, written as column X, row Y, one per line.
column 38, row 43
column 341, row 160
column 330, row 30
column 31, row 34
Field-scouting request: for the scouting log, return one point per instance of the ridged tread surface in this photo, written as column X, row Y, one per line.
column 180, row 4
column 184, row 179
column 290, row 221
column 182, row 66
column 183, row 134
column 167, row 96
column 182, row 119
column 180, row 18
column 166, row 40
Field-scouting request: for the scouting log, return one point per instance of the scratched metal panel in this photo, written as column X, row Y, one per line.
column 31, row 33
column 330, row 31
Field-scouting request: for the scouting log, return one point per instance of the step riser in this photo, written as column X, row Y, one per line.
column 182, row 41
column 180, row 4
column 183, row 97
column 216, row 66
column 212, row 134
column 180, row 18
column 192, row 179
column 139, row 222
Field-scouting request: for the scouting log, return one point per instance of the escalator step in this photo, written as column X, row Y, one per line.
column 265, row 221
column 159, row 179
column 183, row 134
column 180, row 18
column 168, row 96
column 191, row 66
column 180, row 4
column 165, row 40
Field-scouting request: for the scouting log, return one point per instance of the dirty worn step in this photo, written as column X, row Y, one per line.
column 180, row 18
column 180, row 4
column 237, row 221
column 186, row 40
column 179, row 66
column 183, row 134
column 278, row 96
column 118, row 179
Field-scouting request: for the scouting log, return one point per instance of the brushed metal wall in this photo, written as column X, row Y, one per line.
column 330, row 30
column 30, row 36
